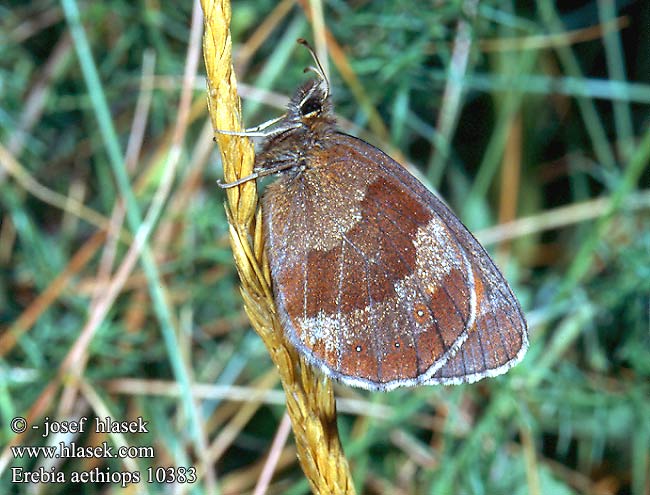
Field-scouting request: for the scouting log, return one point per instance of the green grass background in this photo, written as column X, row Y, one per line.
column 537, row 136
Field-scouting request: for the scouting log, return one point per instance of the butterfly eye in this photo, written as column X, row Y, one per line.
column 312, row 105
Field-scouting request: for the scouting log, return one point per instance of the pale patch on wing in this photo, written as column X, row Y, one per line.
column 434, row 246
column 436, row 249
column 322, row 328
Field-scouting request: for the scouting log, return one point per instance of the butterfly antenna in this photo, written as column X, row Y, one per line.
column 319, row 68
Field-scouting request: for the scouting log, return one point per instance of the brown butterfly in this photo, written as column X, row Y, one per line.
column 376, row 281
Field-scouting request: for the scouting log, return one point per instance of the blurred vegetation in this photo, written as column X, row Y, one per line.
column 531, row 120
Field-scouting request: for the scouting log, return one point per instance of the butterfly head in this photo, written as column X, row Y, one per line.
column 309, row 121
column 310, row 107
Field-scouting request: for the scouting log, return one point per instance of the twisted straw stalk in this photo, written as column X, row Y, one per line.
column 310, row 400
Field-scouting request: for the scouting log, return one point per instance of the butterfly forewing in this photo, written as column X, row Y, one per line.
column 498, row 337
column 497, row 340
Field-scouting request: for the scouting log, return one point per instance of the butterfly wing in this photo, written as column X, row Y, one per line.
column 376, row 281
column 498, row 339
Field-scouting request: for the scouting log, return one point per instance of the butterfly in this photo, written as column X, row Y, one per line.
column 377, row 283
